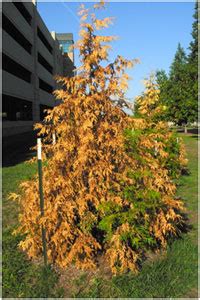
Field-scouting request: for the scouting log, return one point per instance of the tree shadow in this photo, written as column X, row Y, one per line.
column 17, row 149
column 189, row 130
column 196, row 137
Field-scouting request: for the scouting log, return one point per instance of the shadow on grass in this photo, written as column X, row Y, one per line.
column 189, row 130
column 16, row 149
column 196, row 137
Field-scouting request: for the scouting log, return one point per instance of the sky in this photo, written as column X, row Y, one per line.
column 147, row 31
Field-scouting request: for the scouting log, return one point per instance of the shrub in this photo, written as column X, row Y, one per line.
column 107, row 183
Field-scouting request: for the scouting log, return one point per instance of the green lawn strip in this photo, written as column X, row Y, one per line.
column 12, row 176
column 171, row 275
column 188, row 188
column 21, row 278
column 175, row 275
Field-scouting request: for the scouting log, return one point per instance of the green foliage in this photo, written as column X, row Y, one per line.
column 193, row 55
column 138, row 237
column 109, row 207
column 109, row 224
column 179, row 90
column 132, row 138
column 163, row 82
column 173, row 148
column 193, row 62
column 176, row 91
column 140, row 199
column 172, row 274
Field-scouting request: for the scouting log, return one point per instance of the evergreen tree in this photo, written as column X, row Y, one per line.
column 179, row 92
column 178, row 64
column 107, row 180
column 193, row 68
column 163, row 81
column 181, row 104
column 176, row 91
column 161, row 77
column 176, row 99
column 193, row 55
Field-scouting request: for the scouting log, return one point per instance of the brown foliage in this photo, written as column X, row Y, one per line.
column 88, row 169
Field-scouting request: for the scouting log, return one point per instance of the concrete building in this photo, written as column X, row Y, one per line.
column 31, row 56
column 66, row 41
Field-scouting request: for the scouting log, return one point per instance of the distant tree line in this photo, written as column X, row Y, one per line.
column 179, row 88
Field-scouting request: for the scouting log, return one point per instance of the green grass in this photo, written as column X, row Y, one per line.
column 188, row 189
column 172, row 274
column 21, row 278
column 11, row 177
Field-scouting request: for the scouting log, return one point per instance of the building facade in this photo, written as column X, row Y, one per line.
column 31, row 57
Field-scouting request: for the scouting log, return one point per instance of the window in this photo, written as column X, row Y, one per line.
column 24, row 12
column 8, row 26
column 43, row 113
column 45, row 86
column 12, row 67
column 44, row 63
column 16, row 109
column 44, row 40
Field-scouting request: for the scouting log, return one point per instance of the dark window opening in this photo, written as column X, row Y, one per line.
column 16, row 109
column 12, row 67
column 45, row 86
column 44, row 40
column 8, row 26
column 24, row 12
column 45, row 63
column 43, row 113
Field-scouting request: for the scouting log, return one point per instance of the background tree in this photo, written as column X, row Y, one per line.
column 163, row 82
column 193, row 67
column 179, row 101
column 179, row 92
column 193, row 55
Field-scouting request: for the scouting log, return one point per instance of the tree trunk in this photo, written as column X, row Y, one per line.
column 185, row 128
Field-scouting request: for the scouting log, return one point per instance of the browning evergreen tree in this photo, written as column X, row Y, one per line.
column 89, row 209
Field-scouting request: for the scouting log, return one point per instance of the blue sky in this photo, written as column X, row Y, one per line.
column 148, row 31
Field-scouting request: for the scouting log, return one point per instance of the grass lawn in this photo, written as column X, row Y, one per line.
column 172, row 274
column 21, row 278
